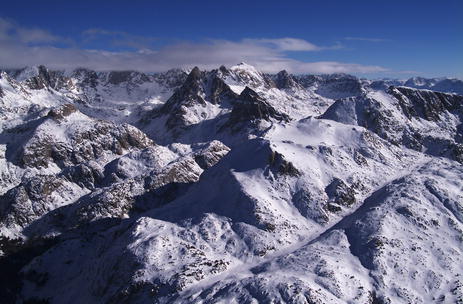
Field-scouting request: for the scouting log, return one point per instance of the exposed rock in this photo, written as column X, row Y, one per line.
column 60, row 112
column 400, row 122
column 198, row 89
column 251, row 107
column 340, row 194
column 334, row 85
column 82, row 145
column 183, row 171
column 114, row 201
column 220, row 91
column 366, row 112
column 41, row 81
column 47, row 79
column 311, row 205
column 191, row 92
column 173, row 78
column 87, row 78
column 118, row 77
column 86, row 175
column 425, row 104
column 281, row 166
column 211, row 154
column 30, row 200
column 283, row 80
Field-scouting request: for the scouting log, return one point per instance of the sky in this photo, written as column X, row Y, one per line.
column 374, row 39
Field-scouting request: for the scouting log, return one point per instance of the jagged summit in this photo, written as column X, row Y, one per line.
column 283, row 80
column 250, row 106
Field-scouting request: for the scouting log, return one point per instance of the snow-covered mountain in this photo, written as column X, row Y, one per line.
column 446, row 85
column 229, row 186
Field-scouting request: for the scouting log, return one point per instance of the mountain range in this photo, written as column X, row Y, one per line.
column 229, row 186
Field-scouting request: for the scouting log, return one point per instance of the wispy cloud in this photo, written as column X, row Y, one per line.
column 291, row 44
column 268, row 55
column 118, row 38
column 366, row 39
column 11, row 30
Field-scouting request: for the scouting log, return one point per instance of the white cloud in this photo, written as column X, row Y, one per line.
column 366, row 39
column 268, row 55
column 10, row 30
column 286, row 44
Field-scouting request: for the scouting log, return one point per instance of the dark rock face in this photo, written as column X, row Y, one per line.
column 339, row 194
column 425, row 104
column 251, row 107
column 41, row 81
column 457, row 153
column 183, row 171
column 333, row 86
column 345, row 86
column 31, row 199
column 87, row 78
column 188, row 94
column 118, row 77
column 171, row 79
column 307, row 81
column 283, row 80
column 60, row 112
column 198, row 88
column 86, row 175
column 310, row 205
column 279, row 165
column 442, row 147
column 220, row 91
column 224, row 70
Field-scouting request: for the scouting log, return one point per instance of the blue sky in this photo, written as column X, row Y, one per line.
column 367, row 38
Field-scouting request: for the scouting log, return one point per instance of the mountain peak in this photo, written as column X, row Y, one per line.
column 245, row 67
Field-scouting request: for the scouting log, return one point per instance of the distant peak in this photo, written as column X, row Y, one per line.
column 223, row 69
column 194, row 74
column 244, row 66
column 26, row 73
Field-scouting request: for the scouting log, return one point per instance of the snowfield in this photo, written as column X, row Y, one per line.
column 229, row 186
